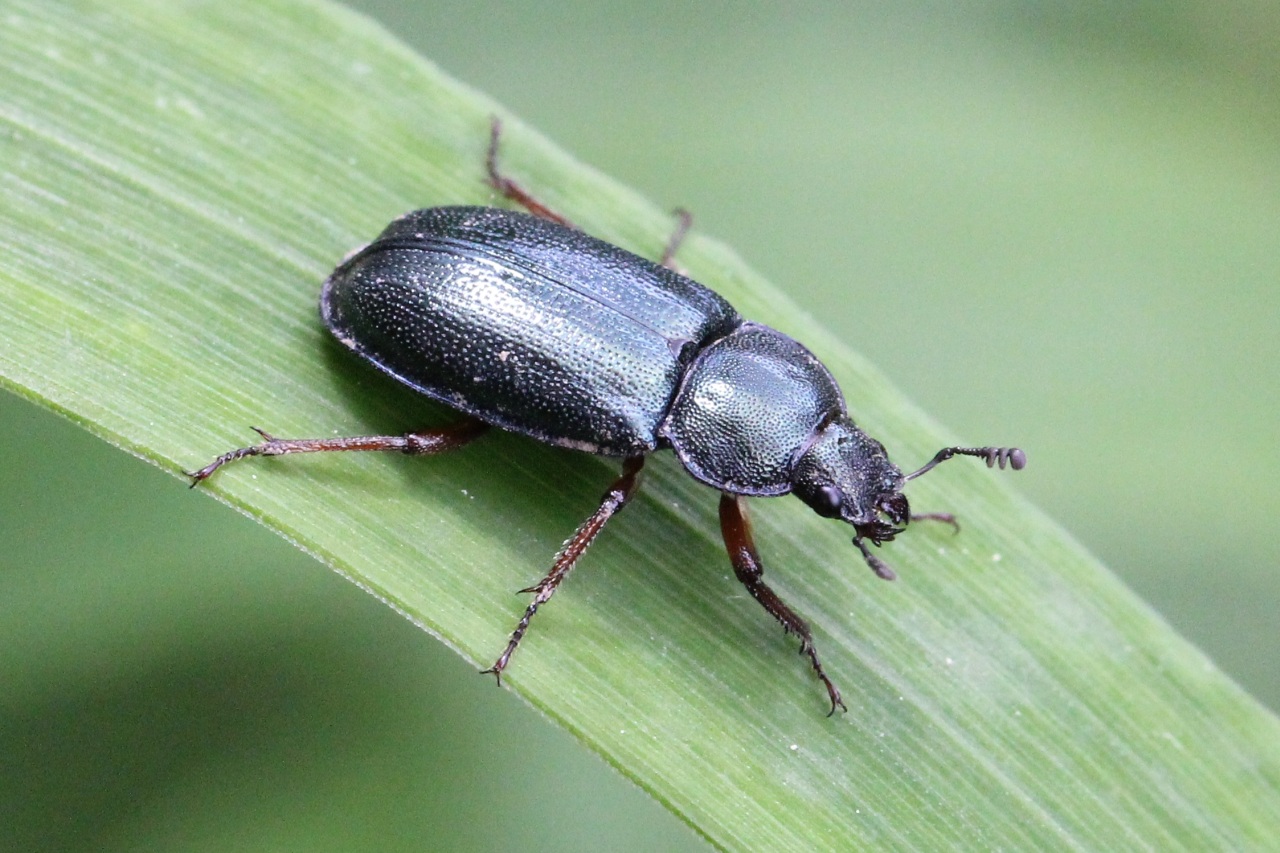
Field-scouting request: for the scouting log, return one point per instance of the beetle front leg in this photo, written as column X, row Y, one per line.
column 750, row 570
column 613, row 501
column 423, row 443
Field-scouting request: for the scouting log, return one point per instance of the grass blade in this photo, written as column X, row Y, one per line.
column 178, row 180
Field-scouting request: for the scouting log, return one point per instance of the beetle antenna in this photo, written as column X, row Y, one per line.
column 1011, row 457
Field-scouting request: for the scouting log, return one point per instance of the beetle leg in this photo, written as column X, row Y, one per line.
column 944, row 517
column 613, row 501
column 684, row 221
column 422, row 443
column 749, row 569
column 509, row 188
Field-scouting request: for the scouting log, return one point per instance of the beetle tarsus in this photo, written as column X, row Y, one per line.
column 197, row 477
column 833, row 692
column 613, row 501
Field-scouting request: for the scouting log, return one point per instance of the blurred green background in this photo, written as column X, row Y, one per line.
column 1055, row 225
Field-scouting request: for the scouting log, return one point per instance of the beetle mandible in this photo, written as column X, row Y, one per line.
column 523, row 322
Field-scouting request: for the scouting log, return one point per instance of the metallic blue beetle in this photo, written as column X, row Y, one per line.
column 525, row 323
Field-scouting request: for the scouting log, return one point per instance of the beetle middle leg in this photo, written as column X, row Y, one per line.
column 511, row 189
column 614, row 500
column 750, row 570
column 423, row 443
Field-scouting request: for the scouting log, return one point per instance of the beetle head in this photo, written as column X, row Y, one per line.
column 844, row 473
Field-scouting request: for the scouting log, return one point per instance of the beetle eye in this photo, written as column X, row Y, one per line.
column 827, row 501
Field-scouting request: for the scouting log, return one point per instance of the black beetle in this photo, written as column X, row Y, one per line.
column 525, row 323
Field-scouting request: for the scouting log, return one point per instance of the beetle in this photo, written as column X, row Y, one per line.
column 523, row 322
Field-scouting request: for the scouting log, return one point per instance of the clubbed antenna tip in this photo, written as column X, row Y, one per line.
column 1005, row 457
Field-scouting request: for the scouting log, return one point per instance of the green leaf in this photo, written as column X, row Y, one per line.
column 177, row 181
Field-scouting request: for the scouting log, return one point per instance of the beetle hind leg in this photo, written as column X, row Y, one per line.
column 611, row 503
column 509, row 187
column 422, row 443
column 750, row 570
column 684, row 221
column 512, row 189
